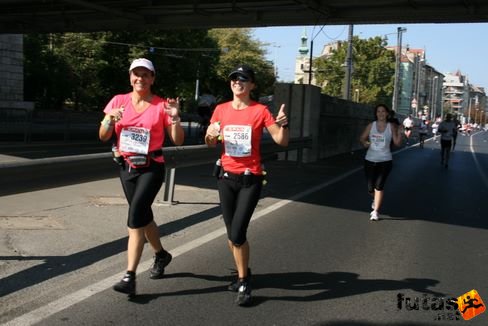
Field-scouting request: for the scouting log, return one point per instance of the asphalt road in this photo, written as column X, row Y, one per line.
column 315, row 256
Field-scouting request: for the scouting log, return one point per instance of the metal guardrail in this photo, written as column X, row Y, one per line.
column 175, row 157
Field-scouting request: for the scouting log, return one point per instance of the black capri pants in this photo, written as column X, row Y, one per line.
column 238, row 202
column 376, row 174
column 141, row 187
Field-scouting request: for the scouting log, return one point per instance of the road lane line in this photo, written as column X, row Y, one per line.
column 69, row 300
column 476, row 162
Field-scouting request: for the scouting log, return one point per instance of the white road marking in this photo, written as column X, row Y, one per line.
column 476, row 162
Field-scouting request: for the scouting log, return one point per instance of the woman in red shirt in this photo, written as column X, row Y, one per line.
column 239, row 125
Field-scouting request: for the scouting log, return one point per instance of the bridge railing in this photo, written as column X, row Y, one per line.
column 45, row 169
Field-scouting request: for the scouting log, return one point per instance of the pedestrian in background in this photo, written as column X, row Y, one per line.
column 377, row 137
column 435, row 128
column 239, row 124
column 139, row 120
column 423, row 131
column 408, row 127
column 446, row 129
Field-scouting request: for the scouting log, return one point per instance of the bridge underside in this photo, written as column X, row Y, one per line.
column 43, row 16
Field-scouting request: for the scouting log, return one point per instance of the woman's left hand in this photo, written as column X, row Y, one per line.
column 173, row 107
column 281, row 118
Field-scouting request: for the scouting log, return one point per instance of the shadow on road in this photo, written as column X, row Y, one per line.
column 322, row 286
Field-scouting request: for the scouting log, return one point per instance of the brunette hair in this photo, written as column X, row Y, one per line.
column 388, row 110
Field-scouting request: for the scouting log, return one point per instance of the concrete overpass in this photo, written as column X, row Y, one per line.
column 28, row 16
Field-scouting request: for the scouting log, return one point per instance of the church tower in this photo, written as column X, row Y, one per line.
column 302, row 61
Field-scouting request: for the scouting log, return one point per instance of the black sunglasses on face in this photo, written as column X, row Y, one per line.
column 239, row 78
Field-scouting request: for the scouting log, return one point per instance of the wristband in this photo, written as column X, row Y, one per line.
column 175, row 120
column 107, row 123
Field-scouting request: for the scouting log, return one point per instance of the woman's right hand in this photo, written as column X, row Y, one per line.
column 116, row 114
column 213, row 130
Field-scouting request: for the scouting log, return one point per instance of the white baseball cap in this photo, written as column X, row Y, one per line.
column 142, row 62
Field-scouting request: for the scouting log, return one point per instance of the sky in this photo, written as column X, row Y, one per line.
column 448, row 47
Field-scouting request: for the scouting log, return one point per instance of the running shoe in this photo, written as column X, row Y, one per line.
column 243, row 292
column 126, row 285
column 374, row 216
column 161, row 260
column 234, row 286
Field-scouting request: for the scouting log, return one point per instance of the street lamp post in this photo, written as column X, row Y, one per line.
column 197, row 85
column 419, row 61
column 433, row 97
column 396, row 86
column 469, row 110
column 348, row 63
column 274, row 46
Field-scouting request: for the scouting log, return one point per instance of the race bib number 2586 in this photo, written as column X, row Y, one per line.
column 237, row 140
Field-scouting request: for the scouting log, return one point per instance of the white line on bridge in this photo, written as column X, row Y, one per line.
column 476, row 162
column 69, row 300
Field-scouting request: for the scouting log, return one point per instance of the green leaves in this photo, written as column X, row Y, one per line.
column 373, row 70
column 84, row 70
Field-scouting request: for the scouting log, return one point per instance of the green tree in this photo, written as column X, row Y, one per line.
column 85, row 70
column 180, row 57
column 83, row 54
column 373, row 72
column 239, row 47
column 44, row 73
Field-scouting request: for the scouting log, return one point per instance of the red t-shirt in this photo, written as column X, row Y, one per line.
column 154, row 118
column 241, row 132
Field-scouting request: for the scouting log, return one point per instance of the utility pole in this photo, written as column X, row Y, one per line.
column 433, row 105
column 310, row 63
column 348, row 64
column 396, row 86
column 197, row 85
column 418, row 64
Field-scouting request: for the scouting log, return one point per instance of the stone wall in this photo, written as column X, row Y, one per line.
column 341, row 124
column 12, row 72
column 334, row 125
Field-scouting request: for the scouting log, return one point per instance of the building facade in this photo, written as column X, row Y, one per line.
column 456, row 93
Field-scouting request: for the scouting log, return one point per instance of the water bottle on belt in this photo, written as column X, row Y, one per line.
column 264, row 173
column 116, row 155
column 217, row 168
column 247, row 178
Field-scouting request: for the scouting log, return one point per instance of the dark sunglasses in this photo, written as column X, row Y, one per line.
column 240, row 78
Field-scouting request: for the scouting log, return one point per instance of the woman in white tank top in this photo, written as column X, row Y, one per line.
column 377, row 137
